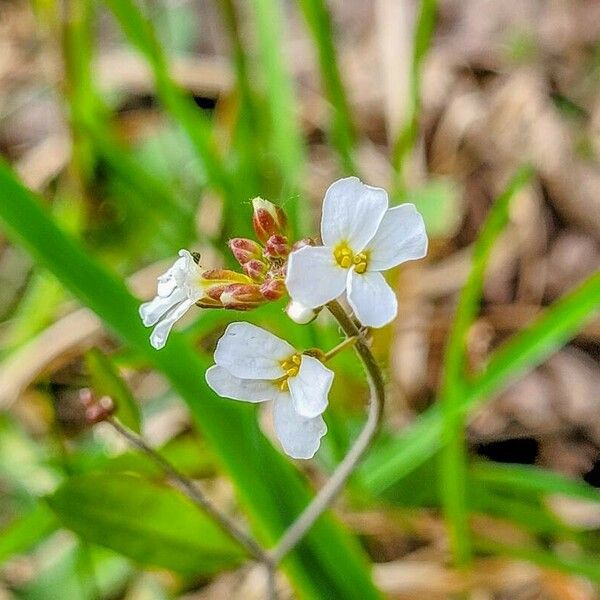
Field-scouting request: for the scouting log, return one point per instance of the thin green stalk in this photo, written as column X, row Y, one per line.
column 453, row 460
column 287, row 144
column 407, row 137
column 319, row 23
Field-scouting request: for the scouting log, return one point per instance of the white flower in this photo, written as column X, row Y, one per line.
column 178, row 289
column 255, row 366
column 361, row 237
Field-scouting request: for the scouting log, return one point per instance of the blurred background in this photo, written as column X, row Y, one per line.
column 147, row 127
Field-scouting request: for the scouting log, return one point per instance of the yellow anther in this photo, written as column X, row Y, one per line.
column 345, row 262
column 292, row 372
column 361, row 267
column 283, row 385
column 360, row 260
column 296, row 359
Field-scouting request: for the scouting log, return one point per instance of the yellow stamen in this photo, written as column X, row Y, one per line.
column 291, row 367
column 345, row 258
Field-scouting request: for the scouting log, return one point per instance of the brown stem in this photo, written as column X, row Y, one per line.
column 195, row 494
column 334, row 485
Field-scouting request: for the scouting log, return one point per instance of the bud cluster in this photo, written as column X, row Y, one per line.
column 263, row 264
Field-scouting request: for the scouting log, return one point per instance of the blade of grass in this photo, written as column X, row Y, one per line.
column 407, row 137
column 524, row 478
column 453, row 460
column 318, row 18
column 140, row 33
column 587, row 566
column 524, row 351
column 287, row 144
column 328, row 562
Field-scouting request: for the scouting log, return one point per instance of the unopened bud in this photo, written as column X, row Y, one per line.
column 255, row 269
column 273, row 289
column 267, row 219
column 96, row 409
column 245, row 250
column 299, row 313
column 277, row 247
column 242, row 296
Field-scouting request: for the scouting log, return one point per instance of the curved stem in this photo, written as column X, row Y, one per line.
column 334, row 485
column 194, row 493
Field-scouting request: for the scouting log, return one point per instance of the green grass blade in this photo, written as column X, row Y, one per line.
column 319, row 23
column 523, row 478
column 328, row 562
column 587, row 566
column 453, row 460
column 408, row 134
column 524, row 351
column 140, row 32
column 287, row 144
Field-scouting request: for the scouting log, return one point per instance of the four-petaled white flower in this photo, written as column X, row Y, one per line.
column 256, row 366
column 178, row 289
column 361, row 237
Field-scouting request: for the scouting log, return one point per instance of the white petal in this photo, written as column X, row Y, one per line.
column 159, row 335
column 249, row 352
column 310, row 388
column 183, row 268
column 401, row 236
column 249, row 390
column 313, row 277
column 352, row 212
column 299, row 436
column 152, row 311
column 372, row 299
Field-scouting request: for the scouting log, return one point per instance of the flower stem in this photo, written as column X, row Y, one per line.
column 195, row 494
column 334, row 485
column 349, row 341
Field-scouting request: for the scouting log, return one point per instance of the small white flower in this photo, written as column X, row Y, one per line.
column 253, row 365
column 178, row 289
column 361, row 237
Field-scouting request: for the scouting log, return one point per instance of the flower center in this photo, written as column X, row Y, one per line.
column 345, row 258
column 291, row 366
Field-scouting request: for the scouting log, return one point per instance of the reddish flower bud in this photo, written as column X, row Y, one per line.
column 277, row 247
column 255, row 269
column 242, row 296
column 96, row 409
column 273, row 289
column 245, row 250
column 267, row 219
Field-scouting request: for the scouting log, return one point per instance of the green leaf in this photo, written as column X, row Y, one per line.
column 328, row 562
column 155, row 526
column 106, row 381
column 26, row 531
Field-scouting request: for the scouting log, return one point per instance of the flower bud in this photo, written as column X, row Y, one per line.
column 242, row 296
column 245, row 250
column 96, row 409
column 216, row 281
column 277, row 247
column 267, row 219
column 255, row 269
column 299, row 313
column 273, row 289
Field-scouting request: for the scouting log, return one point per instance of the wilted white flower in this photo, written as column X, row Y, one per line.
column 361, row 237
column 253, row 365
column 178, row 289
